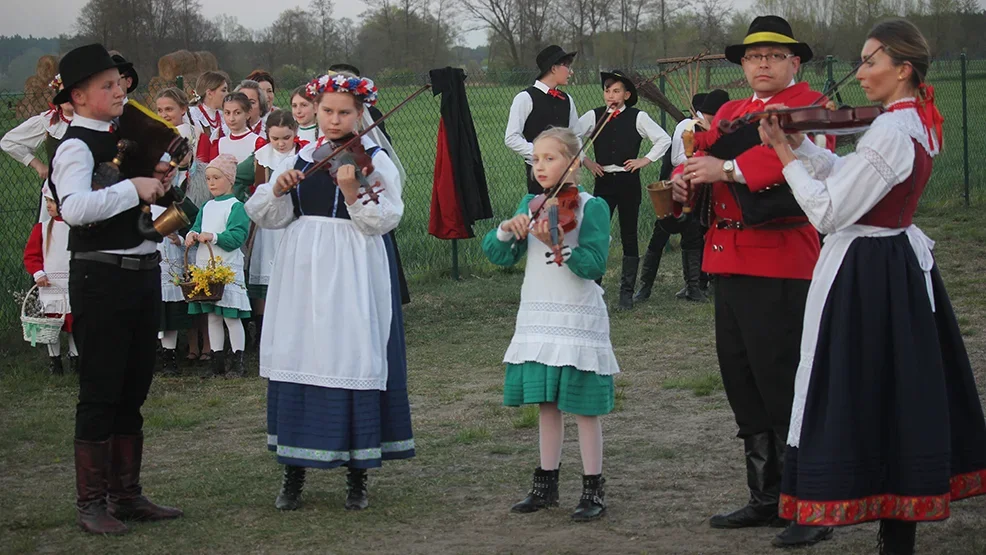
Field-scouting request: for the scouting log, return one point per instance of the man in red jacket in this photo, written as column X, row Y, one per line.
column 762, row 250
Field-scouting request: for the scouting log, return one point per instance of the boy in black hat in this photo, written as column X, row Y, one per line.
column 691, row 230
column 115, row 291
column 617, row 166
column 541, row 106
column 128, row 75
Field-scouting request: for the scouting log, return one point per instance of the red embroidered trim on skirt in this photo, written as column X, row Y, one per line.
column 885, row 506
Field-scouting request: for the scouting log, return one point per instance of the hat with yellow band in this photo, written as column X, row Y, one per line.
column 769, row 29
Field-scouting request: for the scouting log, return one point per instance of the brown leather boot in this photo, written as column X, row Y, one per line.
column 91, row 465
column 125, row 501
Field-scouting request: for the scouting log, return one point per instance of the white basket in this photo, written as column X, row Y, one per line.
column 40, row 329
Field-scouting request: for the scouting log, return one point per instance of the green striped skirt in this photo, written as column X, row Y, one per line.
column 575, row 391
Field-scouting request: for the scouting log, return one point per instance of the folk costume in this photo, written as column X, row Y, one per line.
column 241, row 146
column 691, row 229
column 887, row 422
column 560, row 355
column 334, row 289
column 308, row 134
column 537, row 108
column 115, row 293
column 762, row 249
column 46, row 255
column 207, row 120
column 616, row 144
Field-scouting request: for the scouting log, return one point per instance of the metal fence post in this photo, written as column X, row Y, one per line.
column 965, row 128
column 180, row 82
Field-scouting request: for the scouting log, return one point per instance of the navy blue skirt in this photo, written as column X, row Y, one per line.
column 320, row 427
column 893, row 427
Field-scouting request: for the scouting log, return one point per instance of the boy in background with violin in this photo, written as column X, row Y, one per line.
column 762, row 250
column 617, row 167
column 541, row 106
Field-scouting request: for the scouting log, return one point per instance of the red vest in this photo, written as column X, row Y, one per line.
column 896, row 210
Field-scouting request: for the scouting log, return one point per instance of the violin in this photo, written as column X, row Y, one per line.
column 354, row 154
column 560, row 215
column 811, row 119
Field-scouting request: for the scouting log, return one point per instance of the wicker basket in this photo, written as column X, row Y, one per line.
column 216, row 289
column 40, row 329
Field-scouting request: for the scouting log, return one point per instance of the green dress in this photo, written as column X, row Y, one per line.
column 577, row 391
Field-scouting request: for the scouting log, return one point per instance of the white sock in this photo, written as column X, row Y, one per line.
column 552, row 434
column 169, row 340
column 237, row 337
column 591, row 444
column 73, row 351
column 55, row 349
column 217, row 337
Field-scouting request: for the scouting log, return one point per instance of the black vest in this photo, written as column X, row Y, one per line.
column 318, row 195
column 118, row 232
column 547, row 111
column 619, row 141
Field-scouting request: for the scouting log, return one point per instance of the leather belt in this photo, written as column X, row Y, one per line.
column 729, row 224
column 127, row 262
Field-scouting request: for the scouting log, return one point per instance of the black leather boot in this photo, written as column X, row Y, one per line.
column 356, row 498
column 799, row 535
column 124, row 494
column 896, row 537
column 543, row 494
column 55, row 366
column 592, row 505
column 290, row 497
column 237, row 367
column 628, row 279
column 92, row 464
column 763, row 479
column 169, row 363
column 648, row 272
column 218, row 363
column 691, row 268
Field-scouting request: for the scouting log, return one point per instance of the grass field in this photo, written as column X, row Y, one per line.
column 671, row 459
column 414, row 131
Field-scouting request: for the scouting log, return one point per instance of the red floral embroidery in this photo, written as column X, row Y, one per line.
column 885, row 506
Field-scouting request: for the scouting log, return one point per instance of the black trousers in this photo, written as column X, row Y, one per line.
column 692, row 233
column 621, row 191
column 758, row 342
column 115, row 315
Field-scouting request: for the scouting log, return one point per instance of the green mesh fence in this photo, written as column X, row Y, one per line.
column 414, row 131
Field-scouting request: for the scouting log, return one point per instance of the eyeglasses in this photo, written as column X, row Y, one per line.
column 773, row 58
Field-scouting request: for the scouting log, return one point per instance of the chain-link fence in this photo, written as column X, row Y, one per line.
column 959, row 86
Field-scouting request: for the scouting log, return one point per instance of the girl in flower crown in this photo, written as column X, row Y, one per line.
column 333, row 343
column 47, row 128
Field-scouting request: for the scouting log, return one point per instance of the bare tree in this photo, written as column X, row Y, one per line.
column 502, row 19
column 321, row 14
column 631, row 15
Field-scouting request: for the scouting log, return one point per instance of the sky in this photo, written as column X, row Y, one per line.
column 58, row 16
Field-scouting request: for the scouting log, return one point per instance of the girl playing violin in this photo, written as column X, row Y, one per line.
column 333, row 341
column 560, row 356
column 887, row 423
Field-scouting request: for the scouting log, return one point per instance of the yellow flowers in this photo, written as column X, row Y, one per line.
column 215, row 272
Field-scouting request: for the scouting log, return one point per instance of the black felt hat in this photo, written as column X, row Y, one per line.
column 81, row 64
column 697, row 100
column 769, row 29
column 621, row 77
column 552, row 56
column 712, row 102
column 127, row 72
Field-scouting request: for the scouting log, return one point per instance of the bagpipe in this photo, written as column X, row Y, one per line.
column 144, row 140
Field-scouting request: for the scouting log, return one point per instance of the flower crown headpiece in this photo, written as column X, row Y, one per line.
column 56, row 83
column 360, row 87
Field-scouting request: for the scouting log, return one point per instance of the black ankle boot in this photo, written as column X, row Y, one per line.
column 648, row 272
column 799, row 535
column 237, row 367
column 691, row 268
column 543, row 494
column 169, row 363
column 55, row 366
column 896, row 537
column 592, row 505
column 356, row 498
column 763, row 478
column 218, row 363
column 628, row 279
column 290, row 497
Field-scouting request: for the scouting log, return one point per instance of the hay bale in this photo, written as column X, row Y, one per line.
column 47, row 67
column 177, row 63
column 206, row 61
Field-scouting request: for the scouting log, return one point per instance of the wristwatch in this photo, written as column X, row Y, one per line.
column 728, row 167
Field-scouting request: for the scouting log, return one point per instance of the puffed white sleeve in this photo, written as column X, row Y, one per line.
column 22, row 141
column 883, row 158
column 819, row 161
column 381, row 216
column 269, row 211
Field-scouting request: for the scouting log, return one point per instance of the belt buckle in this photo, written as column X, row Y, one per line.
column 129, row 263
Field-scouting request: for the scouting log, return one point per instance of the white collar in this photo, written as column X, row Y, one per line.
column 766, row 100
column 89, row 123
column 539, row 85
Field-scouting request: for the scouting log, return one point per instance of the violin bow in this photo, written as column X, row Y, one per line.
column 834, row 88
column 321, row 163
